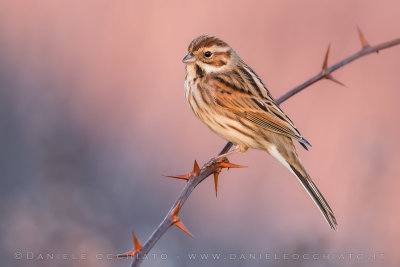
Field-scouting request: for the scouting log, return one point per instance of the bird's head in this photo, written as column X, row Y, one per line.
column 210, row 53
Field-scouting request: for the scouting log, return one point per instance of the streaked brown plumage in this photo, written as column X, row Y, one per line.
column 231, row 100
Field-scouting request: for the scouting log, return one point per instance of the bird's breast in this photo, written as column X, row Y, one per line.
column 189, row 81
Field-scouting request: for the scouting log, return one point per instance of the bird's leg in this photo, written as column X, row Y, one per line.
column 236, row 148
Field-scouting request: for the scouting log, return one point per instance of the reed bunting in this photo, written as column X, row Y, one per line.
column 229, row 97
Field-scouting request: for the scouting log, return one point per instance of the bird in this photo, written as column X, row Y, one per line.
column 229, row 97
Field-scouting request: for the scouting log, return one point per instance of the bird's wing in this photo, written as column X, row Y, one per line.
column 262, row 112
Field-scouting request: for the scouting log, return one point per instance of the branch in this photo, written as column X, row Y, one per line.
column 326, row 72
column 195, row 177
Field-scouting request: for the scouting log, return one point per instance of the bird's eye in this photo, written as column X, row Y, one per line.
column 207, row 54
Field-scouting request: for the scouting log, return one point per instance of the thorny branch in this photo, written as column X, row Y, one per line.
column 214, row 167
column 326, row 72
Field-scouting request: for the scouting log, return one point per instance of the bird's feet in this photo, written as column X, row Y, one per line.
column 216, row 159
column 223, row 157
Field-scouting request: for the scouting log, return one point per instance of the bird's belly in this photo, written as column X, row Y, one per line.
column 231, row 130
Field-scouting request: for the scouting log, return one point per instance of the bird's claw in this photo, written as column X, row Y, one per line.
column 215, row 160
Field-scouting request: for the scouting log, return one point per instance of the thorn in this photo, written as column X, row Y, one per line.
column 216, row 173
column 325, row 72
column 137, row 248
column 183, row 177
column 177, row 221
column 196, row 171
column 180, row 225
column 325, row 64
column 230, row 165
column 221, row 165
column 196, row 168
column 175, row 211
column 330, row 77
column 363, row 40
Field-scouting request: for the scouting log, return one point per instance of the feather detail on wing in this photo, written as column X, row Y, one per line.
column 262, row 112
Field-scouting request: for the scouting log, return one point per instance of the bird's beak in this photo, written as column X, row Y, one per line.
column 189, row 58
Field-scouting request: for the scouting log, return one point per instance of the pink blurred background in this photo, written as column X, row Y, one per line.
column 92, row 114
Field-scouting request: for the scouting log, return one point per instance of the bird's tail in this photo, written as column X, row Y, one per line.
column 315, row 194
column 294, row 165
